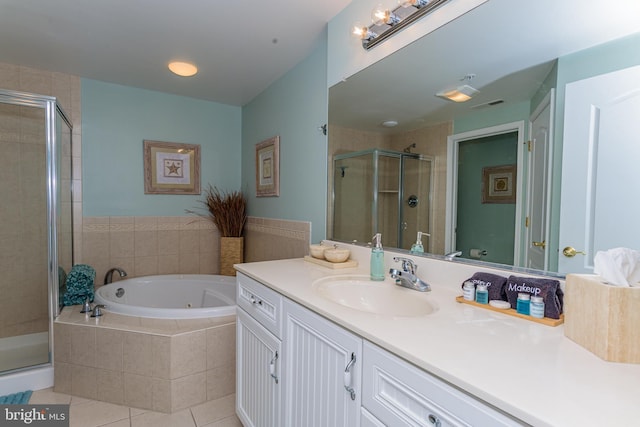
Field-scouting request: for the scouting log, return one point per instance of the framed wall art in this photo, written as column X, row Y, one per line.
column 498, row 184
column 268, row 167
column 171, row 168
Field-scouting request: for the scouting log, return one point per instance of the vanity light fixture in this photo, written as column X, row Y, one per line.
column 184, row 69
column 390, row 123
column 387, row 22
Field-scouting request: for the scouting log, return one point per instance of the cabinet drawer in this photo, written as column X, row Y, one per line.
column 400, row 394
column 262, row 303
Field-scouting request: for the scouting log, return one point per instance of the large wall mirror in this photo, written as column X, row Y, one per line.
column 529, row 172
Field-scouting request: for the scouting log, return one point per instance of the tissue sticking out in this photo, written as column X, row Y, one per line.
column 618, row 266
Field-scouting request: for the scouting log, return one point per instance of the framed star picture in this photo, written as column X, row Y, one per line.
column 171, row 168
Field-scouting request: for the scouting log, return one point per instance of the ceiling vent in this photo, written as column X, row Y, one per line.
column 488, row 104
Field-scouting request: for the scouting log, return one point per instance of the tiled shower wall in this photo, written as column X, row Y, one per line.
column 23, row 306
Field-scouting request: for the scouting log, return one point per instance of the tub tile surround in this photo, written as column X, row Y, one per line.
column 144, row 245
column 270, row 239
column 161, row 365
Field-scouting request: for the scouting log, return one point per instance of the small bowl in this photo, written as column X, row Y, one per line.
column 317, row 251
column 336, row 254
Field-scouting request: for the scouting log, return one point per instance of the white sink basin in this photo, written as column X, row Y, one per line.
column 383, row 298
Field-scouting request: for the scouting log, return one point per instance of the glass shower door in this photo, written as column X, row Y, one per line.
column 416, row 201
column 24, row 309
column 35, row 225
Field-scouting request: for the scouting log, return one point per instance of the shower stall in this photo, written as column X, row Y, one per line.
column 382, row 191
column 35, row 234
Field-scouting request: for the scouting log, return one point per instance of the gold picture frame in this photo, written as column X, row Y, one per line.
column 171, row 168
column 268, row 167
column 498, row 184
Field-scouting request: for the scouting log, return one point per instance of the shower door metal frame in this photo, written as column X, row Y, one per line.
column 376, row 152
column 51, row 107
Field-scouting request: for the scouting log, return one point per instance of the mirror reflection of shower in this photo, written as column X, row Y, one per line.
column 35, row 225
column 382, row 191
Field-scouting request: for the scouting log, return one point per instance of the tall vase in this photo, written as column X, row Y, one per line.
column 231, row 252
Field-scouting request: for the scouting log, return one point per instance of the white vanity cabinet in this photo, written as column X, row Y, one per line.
column 297, row 368
column 258, row 354
column 397, row 393
column 323, row 364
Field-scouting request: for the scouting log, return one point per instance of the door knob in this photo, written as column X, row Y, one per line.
column 542, row 244
column 570, row 252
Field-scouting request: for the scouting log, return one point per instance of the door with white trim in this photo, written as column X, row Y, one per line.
column 600, row 200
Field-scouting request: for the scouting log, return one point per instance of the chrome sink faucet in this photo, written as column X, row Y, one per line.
column 451, row 255
column 407, row 277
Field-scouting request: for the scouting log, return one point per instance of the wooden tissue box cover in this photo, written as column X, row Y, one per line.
column 602, row 318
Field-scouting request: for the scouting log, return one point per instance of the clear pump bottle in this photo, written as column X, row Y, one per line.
column 417, row 247
column 377, row 258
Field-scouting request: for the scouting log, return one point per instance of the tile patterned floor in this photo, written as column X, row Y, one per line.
column 93, row 413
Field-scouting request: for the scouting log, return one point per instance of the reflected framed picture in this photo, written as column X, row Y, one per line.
column 498, row 184
column 171, row 168
column 268, row 167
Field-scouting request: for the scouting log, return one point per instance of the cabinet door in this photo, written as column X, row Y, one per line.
column 258, row 387
column 322, row 362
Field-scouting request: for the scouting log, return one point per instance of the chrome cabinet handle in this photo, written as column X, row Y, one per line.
column 435, row 421
column 272, row 367
column 347, row 377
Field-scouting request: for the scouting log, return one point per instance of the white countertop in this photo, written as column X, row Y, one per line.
column 528, row 370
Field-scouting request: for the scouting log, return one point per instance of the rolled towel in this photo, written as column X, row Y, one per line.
column 495, row 284
column 548, row 289
column 80, row 283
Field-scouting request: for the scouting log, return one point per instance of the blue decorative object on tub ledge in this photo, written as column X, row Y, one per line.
column 79, row 284
column 21, row 398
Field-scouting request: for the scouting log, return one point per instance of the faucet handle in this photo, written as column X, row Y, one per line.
column 86, row 306
column 97, row 310
column 407, row 264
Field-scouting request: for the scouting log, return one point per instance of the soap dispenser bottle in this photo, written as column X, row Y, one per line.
column 377, row 258
column 417, row 247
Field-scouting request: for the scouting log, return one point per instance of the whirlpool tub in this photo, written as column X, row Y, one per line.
column 175, row 296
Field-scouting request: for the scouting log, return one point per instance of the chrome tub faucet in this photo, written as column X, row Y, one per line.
column 108, row 278
column 407, row 277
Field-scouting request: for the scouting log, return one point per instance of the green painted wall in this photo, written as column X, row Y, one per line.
column 293, row 107
column 488, row 226
column 115, row 121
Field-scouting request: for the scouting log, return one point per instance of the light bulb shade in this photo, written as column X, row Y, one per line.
column 381, row 15
column 460, row 94
column 183, row 69
column 362, row 32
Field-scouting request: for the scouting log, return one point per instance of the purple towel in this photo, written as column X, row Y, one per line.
column 548, row 289
column 495, row 284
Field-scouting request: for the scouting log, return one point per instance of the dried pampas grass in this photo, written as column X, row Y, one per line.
column 226, row 210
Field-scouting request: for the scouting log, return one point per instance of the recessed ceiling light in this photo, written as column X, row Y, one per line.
column 183, row 69
column 390, row 123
